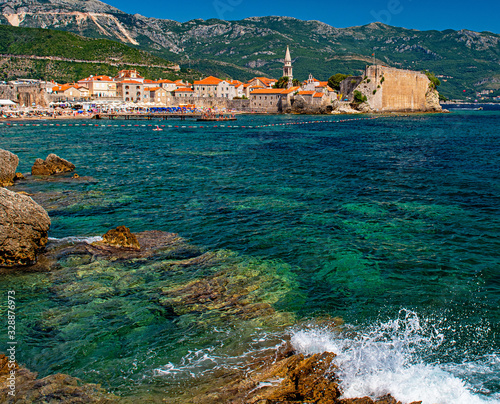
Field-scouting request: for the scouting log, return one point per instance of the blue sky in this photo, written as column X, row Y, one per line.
column 418, row 14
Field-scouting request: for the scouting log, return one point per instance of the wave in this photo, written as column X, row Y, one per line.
column 388, row 357
column 72, row 239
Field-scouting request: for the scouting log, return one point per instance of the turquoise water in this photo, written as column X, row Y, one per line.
column 392, row 224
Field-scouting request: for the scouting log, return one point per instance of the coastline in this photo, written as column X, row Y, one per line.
column 89, row 263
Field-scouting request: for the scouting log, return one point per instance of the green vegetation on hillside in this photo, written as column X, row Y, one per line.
column 60, row 44
column 66, row 72
column 48, row 42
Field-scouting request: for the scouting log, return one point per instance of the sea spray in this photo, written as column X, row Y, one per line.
column 75, row 239
column 388, row 358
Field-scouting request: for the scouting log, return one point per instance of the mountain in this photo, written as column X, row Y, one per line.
column 241, row 49
column 64, row 56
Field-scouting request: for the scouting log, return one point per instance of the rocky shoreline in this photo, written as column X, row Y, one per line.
column 224, row 291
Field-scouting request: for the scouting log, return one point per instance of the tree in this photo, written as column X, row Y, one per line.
column 434, row 80
column 281, row 83
column 334, row 81
column 296, row 82
column 359, row 98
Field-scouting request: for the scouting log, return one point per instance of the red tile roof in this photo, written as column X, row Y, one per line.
column 208, row 81
column 97, row 78
column 184, row 90
column 291, row 90
column 268, row 91
column 306, row 92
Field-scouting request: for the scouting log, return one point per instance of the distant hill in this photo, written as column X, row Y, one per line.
column 243, row 49
column 64, row 56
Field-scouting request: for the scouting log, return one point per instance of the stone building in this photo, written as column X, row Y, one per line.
column 100, row 86
column 272, row 100
column 186, row 93
column 129, row 75
column 208, row 87
column 131, row 91
column 158, row 95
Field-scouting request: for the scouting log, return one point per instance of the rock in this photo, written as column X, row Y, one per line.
column 23, row 229
column 8, row 166
column 432, row 101
column 58, row 388
column 308, row 379
column 365, row 108
column 287, row 378
column 52, row 165
column 19, row 176
column 121, row 237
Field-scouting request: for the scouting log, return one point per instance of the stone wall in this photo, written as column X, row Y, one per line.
column 212, row 102
column 348, row 85
column 25, row 94
column 394, row 90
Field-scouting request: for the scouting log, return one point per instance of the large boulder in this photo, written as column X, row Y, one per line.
column 23, row 229
column 52, row 165
column 8, row 165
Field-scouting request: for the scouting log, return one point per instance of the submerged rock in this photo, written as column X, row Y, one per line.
column 23, row 229
column 52, row 165
column 121, row 237
column 8, row 166
column 58, row 388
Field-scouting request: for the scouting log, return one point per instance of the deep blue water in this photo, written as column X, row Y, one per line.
column 391, row 223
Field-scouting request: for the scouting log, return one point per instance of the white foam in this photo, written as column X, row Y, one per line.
column 387, row 358
column 88, row 240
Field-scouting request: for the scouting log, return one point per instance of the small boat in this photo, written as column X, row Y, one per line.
column 157, row 128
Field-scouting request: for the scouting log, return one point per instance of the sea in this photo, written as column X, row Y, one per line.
column 387, row 226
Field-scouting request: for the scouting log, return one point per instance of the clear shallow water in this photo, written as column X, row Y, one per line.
column 358, row 219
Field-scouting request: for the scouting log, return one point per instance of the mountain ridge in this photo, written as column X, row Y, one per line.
column 463, row 57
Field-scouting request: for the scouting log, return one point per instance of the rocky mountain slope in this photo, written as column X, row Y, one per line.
column 256, row 45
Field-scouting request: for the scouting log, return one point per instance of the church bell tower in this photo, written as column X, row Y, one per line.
column 287, row 68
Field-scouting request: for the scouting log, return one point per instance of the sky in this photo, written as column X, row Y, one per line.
column 482, row 15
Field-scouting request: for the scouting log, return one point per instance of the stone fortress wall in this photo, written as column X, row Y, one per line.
column 395, row 90
column 25, row 94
